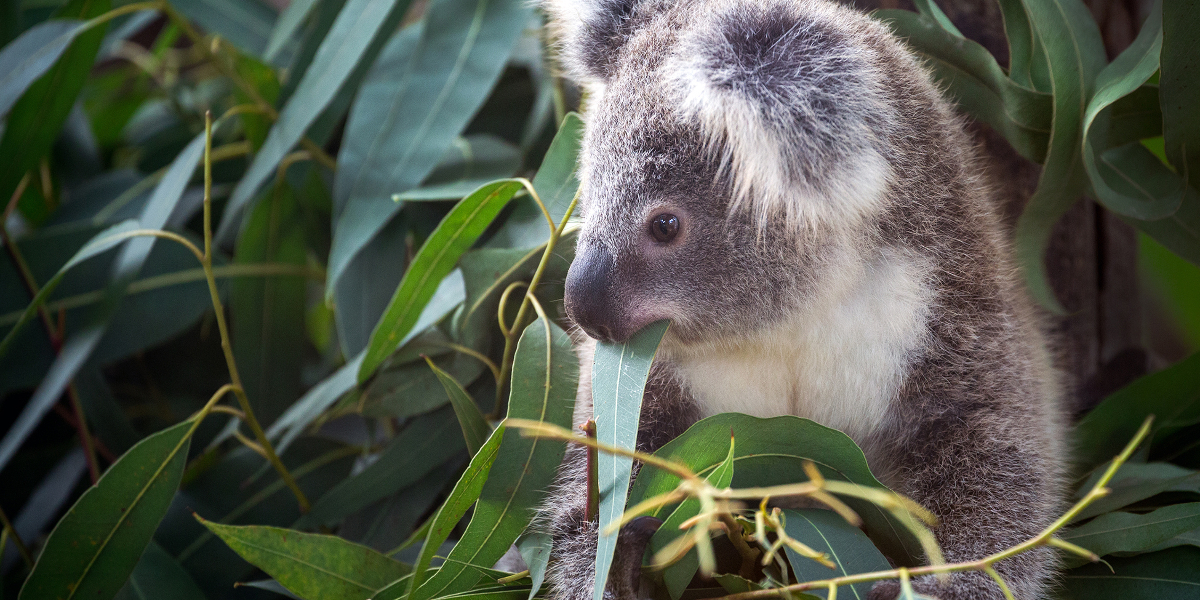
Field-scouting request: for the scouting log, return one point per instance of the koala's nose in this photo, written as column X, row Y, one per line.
column 588, row 293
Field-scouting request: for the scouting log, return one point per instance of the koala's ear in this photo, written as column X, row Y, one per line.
column 794, row 96
column 590, row 33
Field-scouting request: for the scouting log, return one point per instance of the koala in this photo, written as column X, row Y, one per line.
column 782, row 181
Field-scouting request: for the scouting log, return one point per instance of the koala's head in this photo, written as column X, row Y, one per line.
column 731, row 145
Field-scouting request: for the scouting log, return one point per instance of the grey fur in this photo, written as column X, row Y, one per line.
column 810, row 161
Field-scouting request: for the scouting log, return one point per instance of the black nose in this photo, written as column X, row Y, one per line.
column 588, row 293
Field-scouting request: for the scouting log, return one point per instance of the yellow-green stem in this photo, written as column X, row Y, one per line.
column 511, row 336
column 12, row 533
column 223, row 329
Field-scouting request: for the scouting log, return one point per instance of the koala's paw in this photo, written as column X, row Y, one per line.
column 625, row 581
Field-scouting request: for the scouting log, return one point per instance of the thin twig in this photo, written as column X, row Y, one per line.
column 223, row 329
column 12, row 533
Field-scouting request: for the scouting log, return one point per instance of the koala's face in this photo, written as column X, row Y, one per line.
column 659, row 240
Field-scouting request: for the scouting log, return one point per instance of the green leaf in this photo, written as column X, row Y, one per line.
column 1189, row 538
column 245, row 23
column 556, row 183
column 544, row 382
column 472, row 161
column 286, row 25
column 1171, row 395
column 321, row 396
column 619, row 375
column 1129, row 532
column 678, row 575
column 158, row 575
column 1129, row 180
column 436, row 258
column 1023, row 48
column 267, row 314
column 356, row 25
column 1075, row 54
column 97, row 544
column 36, row 119
column 464, row 494
column 973, row 79
column 1135, row 482
column 424, row 445
column 535, row 549
column 474, row 425
column 29, row 56
column 1167, row 575
column 412, row 389
column 79, row 347
column 1179, row 89
column 847, row 546
column 772, row 452
column 314, row 567
column 406, row 117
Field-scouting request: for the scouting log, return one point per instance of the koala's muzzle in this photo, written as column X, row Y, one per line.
column 590, row 295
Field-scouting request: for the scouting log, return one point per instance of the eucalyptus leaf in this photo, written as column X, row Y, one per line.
column 29, row 56
column 315, row 567
column 1167, row 575
column 1135, row 482
column 286, row 25
column 556, row 183
column 619, row 374
column 535, row 549
column 35, row 120
column 245, row 23
column 1156, row 191
column 436, row 258
column 773, row 452
column 679, row 574
column 356, row 25
column 1171, row 395
column 424, row 445
column 95, row 547
column 1075, row 54
column 544, row 380
column 846, row 545
column 1129, row 532
column 406, row 117
column 461, row 498
column 474, row 425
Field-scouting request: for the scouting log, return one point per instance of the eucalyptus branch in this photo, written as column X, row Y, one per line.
column 512, row 335
column 986, row 564
column 223, row 329
column 11, row 531
column 54, row 333
column 213, row 48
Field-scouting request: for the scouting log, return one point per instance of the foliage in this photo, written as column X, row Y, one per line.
column 379, row 292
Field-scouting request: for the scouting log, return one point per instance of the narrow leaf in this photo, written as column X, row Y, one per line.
column 436, row 258
column 1179, row 89
column 400, row 126
column 773, row 452
column 32, row 54
column 1167, row 575
column 464, row 494
column 423, row 446
column 619, row 376
column 846, row 545
column 535, row 549
column 544, row 382
column 474, row 425
column 678, row 575
column 95, row 547
column 286, row 25
column 356, row 25
column 1129, row 532
column 314, row 567
column 1075, row 54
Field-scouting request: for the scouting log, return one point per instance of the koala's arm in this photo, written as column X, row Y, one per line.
column 990, row 474
column 666, row 412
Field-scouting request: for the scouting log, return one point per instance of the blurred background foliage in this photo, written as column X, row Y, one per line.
column 346, row 135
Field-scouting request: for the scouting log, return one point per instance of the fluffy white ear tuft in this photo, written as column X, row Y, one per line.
column 792, row 105
column 590, row 33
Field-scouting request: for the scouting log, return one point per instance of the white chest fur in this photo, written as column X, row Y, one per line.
column 838, row 361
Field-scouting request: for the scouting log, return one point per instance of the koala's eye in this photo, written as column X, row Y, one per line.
column 664, row 227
